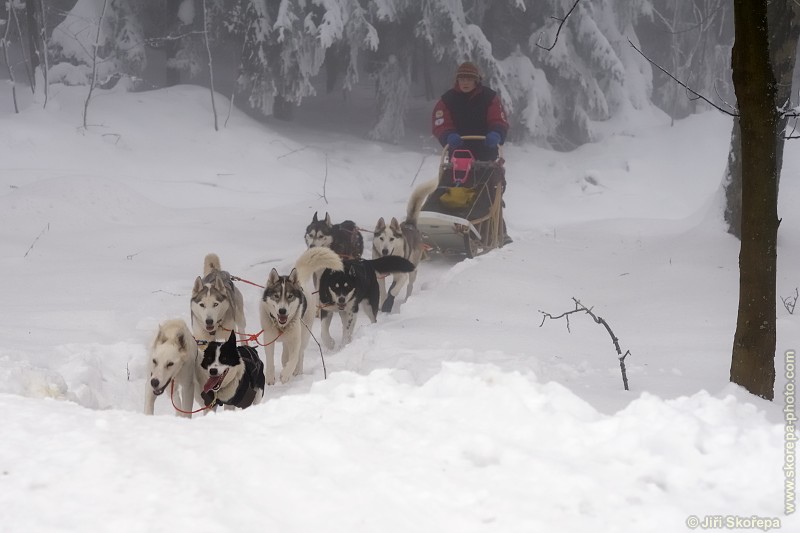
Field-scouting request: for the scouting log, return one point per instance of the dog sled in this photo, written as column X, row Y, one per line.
column 464, row 215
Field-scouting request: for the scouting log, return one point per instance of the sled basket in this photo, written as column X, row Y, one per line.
column 464, row 215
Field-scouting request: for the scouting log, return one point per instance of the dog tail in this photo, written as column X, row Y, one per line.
column 315, row 259
column 418, row 198
column 389, row 264
column 210, row 263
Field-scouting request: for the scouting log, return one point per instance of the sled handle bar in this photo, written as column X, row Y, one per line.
column 470, row 138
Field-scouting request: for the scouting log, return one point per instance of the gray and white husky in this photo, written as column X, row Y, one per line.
column 217, row 305
column 404, row 240
column 173, row 356
column 287, row 310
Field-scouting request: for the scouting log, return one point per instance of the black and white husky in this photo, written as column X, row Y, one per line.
column 343, row 238
column 404, row 240
column 231, row 375
column 354, row 287
column 217, row 305
column 173, row 357
column 287, row 311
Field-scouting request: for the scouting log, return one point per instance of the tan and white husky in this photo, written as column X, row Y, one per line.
column 217, row 305
column 287, row 311
column 404, row 240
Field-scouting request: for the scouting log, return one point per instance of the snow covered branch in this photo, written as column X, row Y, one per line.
column 561, row 23
column 580, row 308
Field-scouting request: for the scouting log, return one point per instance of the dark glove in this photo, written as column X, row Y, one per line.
column 492, row 139
column 454, row 140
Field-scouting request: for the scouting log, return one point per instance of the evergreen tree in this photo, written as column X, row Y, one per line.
column 121, row 49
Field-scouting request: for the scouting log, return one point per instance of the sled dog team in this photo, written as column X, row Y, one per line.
column 207, row 364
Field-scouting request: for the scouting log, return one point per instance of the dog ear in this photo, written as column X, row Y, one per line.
column 380, row 226
column 198, row 285
column 181, row 341
column 273, row 277
column 315, row 219
column 159, row 337
column 395, row 225
column 231, row 338
column 219, row 284
column 293, row 276
column 328, row 220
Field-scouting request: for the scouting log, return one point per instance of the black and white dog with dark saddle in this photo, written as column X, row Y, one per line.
column 231, row 375
column 355, row 286
column 343, row 238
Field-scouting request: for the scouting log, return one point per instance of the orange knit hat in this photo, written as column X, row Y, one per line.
column 468, row 70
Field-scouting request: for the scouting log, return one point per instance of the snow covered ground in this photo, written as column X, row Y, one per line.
column 458, row 412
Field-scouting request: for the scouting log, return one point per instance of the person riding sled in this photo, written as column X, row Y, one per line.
column 470, row 108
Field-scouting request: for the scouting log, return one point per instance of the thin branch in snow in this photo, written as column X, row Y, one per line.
column 580, row 308
column 45, row 230
column 791, row 301
column 324, row 368
column 325, row 180
column 292, row 152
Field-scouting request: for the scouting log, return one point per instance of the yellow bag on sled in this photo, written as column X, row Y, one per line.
column 457, row 197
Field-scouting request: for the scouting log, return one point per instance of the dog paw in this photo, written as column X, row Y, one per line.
column 329, row 343
column 270, row 380
column 285, row 377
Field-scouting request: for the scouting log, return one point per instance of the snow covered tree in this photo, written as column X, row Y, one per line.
column 691, row 39
column 593, row 71
column 392, row 100
column 286, row 43
column 121, row 49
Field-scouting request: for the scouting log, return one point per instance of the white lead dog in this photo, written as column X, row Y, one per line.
column 173, row 357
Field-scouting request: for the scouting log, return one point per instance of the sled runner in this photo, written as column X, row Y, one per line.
column 464, row 215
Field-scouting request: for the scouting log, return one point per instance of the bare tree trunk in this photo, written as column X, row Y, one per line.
column 210, row 66
column 43, row 59
column 5, row 44
column 784, row 32
column 282, row 108
column 25, row 60
column 93, row 81
column 784, row 28
column 333, row 67
column 732, row 183
column 753, row 358
column 173, row 73
column 33, row 44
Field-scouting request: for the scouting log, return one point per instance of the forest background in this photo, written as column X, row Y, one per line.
column 562, row 85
